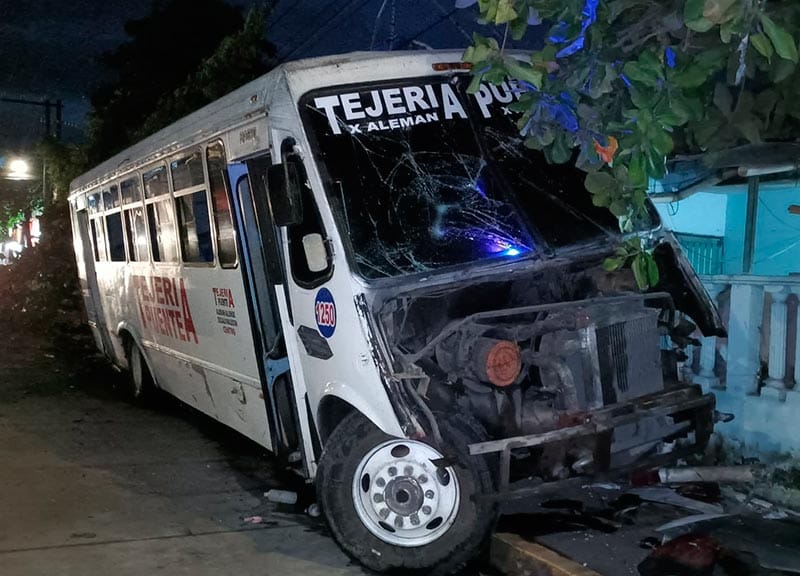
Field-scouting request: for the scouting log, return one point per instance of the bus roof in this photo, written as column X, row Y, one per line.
column 256, row 98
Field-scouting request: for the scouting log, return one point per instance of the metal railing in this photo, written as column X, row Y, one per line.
column 704, row 252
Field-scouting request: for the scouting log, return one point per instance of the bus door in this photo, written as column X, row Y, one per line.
column 284, row 393
column 90, row 289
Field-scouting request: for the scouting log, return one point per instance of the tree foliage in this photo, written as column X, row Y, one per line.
column 620, row 85
column 165, row 51
column 239, row 58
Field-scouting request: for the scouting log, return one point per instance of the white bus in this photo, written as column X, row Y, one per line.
column 358, row 265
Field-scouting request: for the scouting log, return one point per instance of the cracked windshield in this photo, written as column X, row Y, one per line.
column 425, row 176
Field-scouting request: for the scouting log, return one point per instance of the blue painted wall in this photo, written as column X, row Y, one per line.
column 703, row 213
column 777, row 248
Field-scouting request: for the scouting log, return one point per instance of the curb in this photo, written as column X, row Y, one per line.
column 515, row 556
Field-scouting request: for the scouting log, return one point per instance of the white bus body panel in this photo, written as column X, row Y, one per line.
column 219, row 373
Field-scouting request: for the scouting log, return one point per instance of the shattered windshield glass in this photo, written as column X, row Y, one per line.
column 424, row 176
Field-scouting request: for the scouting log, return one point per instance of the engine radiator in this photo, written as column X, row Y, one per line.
column 629, row 357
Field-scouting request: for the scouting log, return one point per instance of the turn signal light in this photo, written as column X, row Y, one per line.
column 445, row 66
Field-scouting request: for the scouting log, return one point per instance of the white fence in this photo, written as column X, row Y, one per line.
column 755, row 371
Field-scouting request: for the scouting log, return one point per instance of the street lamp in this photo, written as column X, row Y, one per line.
column 19, row 169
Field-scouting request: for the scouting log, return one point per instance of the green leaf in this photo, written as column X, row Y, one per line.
column 560, row 151
column 518, row 28
column 523, row 71
column 662, row 142
column 784, row 43
column 601, row 183
column 781, row 70
column 505, row 12
column 750, row 129
column 693, row 16
column 692, row 76
column 723, row 99
column 652, row 269
column 636, row 171
column 611, row 264
column 475, row 84
column 638, row 73
column 719, row 11
column 482, row 49
column 763, row 44
column 639, row 267
column 618, row 208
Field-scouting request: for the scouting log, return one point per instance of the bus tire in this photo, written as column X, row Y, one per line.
column 390, row 508
column 141, row 385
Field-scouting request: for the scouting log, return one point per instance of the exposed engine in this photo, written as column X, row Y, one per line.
column 538, row 352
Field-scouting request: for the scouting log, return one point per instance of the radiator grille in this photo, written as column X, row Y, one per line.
column 629, row 358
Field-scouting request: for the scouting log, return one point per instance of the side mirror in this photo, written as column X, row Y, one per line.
column 283, row 184
column 316, row 254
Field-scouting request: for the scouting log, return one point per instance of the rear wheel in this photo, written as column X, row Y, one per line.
column 390, row 507
column 140, row 381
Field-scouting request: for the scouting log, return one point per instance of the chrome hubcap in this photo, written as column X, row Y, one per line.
column 401, row 497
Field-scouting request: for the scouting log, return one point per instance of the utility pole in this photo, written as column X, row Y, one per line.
column 58, row 105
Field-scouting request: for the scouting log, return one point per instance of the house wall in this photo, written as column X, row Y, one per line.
column 777, row 248
column 703, row 213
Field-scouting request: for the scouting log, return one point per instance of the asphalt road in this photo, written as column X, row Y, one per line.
column 91, row 484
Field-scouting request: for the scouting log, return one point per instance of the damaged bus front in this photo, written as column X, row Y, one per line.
column 507, row 350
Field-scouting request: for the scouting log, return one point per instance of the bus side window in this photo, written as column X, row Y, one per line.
column 223, row 220
column 191, row 207
column 135, row 232
column 161, row 220
column 160, row 215
column 310, row 224
column 194, row 228
column 137, row 235
column 98, row 239
column 116, row 242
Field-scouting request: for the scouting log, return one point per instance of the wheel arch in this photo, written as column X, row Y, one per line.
column 332, row 409
column 340, row 401
column 130, row 337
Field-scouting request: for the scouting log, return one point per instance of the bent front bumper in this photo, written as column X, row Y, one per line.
column 686, row 410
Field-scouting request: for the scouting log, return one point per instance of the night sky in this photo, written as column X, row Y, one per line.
column 49, row 48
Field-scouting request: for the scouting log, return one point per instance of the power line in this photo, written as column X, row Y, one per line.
column 458, row 26
column 322, row 29
column 430, row 27
column 292, row 7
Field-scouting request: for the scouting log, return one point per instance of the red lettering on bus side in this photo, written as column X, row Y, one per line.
column 179, row 327
column 159, row 289
column 230, row 298
column 137, row 286
column 188, row 323
column 169, row 298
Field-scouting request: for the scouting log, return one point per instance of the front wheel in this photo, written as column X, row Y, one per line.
column 389, row 506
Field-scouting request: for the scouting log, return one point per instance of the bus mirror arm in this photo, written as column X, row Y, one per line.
column 283, row 183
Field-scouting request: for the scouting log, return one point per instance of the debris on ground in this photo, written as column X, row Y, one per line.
column 690, row 555
column 281, row 496
column 664, row 495
column 253, row 520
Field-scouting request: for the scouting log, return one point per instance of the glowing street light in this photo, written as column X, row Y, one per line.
column 19, row 169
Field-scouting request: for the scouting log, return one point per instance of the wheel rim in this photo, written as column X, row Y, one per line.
column 401, row 497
